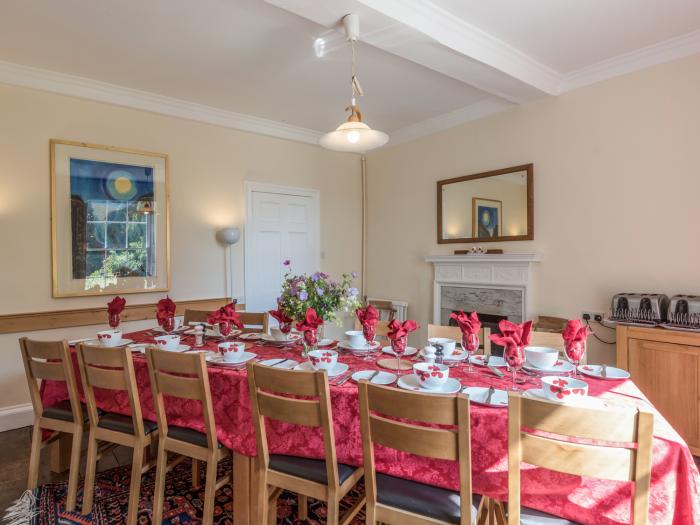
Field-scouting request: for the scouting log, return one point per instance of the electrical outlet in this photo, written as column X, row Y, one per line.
column 592, row 316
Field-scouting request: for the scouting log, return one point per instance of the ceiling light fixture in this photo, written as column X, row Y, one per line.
column 354, row 135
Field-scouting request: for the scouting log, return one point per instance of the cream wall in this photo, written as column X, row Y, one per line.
column 208, row 165
column 616, row 194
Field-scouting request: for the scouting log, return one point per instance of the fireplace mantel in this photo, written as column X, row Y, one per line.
column 507, row 271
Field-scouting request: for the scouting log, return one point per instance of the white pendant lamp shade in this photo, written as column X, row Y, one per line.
column 354, row 137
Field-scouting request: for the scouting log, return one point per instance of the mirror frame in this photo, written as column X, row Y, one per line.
column 530, row 235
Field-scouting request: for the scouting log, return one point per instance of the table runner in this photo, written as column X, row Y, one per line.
column 675, row 490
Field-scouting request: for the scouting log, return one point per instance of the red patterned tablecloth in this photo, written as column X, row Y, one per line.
column 675, row 484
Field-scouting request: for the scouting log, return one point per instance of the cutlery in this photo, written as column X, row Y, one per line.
column 495, row 371
column 369, row 379
column 488, row 358
column 344, row 379
column 604, row 370
column 279, row 361
column 489, row 395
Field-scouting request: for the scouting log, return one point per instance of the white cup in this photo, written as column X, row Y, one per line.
column 109, row 337
column 231, row 351
column 323, row 359
column 448, row 345
column 355, row 338
column 277, row 334
column 168, row 342
column 431, row 375
column 541, row 357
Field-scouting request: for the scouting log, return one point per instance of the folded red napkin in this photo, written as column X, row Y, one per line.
column 469, row 324
column 116, row 306
column 368, row 315
column 397, row 330
column 512, row 334
column 575, row 332
column 166, row 309
column 280, row 315
column 310, row 322
column 226, row 313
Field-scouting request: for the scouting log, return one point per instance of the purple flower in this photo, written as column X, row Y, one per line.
column 315, row 277
column 303, row 296
column 354, row 275
column 286, row 262
column 319, row 291
column 352, row 292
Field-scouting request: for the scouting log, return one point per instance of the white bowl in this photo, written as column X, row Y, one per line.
column 448, row 345
column 355, row 338
column 431, row 375
column 559, row 388
column 109, row 337
column 541, row 356
column 232, row 352
column 167, row 342
column 323, row 359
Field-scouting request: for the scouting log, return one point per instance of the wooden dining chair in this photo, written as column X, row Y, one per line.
column 548, row 339
column 51, row 360
column 195, row 316
column 606, row 459
column 382, row 328
column 255, row 322
column 113, row 369
column 453, row 332
column 397, row 419
column 184, row 376
column 325, row 480
column 385, row 308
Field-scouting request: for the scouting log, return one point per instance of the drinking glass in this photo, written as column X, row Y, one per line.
column 470, row 343
column 370, row 332
column 169, row 323
column 224, row 329
column 113, row 320
column 574, row 353
column 310, row 341
column 515, row 357
column 398, row 345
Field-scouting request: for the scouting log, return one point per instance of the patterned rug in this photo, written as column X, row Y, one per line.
column 183, row 504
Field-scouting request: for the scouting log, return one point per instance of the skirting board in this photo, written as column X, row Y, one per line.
column 16, row 416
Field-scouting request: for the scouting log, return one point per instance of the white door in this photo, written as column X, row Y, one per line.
column 282, row 223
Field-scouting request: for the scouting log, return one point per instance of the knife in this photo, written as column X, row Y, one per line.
column 344, row 380
column 277, row 362
column 369, row 379
column 489, row 395
column 495, row 371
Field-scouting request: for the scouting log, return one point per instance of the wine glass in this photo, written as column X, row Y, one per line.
column 515, row 357
column 369, row 331
column 114, row 320
column 310, row 340
column 575, row 351
column 224, row 329
column 169, row 323
column 470, row 344
column 398, row 345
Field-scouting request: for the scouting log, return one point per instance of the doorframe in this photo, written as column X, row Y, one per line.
column 252, row 186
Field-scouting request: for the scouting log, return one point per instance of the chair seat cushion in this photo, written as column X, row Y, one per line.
column 426, row 500
column 530, row 516
column 311, row 469
column 189, row 435
column 62, row 410
column 124, row 424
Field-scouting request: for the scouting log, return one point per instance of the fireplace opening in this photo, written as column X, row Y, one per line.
column 489, row 321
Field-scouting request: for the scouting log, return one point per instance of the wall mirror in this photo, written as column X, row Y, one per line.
column 486, row 207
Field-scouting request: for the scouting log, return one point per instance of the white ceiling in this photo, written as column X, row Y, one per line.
column 251, row 64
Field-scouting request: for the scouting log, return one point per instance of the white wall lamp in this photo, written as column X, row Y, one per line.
column 228, row 237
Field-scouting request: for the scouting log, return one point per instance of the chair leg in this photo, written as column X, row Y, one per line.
column 209, row 492
column 303, row 507
column 370, row 514
column 34, row 457
column 90, row 466
column 135, row 485
column 196, row 474
column 74, row 474
column 333, row 512
column 159, row 488
column 272, row 511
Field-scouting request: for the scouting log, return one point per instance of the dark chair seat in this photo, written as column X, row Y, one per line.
column 124, row 424
column 530, row 516
column 62, row 410
column 311, row 469
column 426, row 500
column 190, row 436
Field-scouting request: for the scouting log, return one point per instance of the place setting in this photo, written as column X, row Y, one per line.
column 231, row 354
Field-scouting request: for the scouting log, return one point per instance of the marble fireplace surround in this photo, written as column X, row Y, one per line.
column 496, row 284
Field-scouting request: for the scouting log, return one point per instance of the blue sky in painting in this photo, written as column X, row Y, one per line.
column 93, row 180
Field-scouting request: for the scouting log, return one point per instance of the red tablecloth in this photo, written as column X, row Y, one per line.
column 675, row 485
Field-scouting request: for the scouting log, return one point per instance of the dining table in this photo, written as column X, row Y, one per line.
column 674, row 489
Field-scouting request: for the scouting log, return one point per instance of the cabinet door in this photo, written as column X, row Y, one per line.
column 669, row 375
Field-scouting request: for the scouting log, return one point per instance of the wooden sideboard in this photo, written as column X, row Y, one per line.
column 665, row 364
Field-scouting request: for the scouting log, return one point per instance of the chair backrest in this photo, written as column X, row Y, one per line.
column 110, row 369
column 49, row 360
column 386, row 309
column 181, row 375
column 381, row 406
column 255, row 321
column 195, row 316
column 606, row 458
column 548, row 339
column 271, row 392
column 381, row 331
column 453, row 332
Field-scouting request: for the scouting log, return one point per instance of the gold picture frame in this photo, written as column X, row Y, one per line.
column 100, row 197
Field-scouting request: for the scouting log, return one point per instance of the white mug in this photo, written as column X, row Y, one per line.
column 356, row 338
column 168, row 342
column 109, row 337
column 232, row 351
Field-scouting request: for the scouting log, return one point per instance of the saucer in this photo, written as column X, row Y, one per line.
column 286, row 364
column 96, row 342
column 409, row 351
column 339, row 368
column 496, row 361
column 161, row 330
column 478, row 394
column 410, row 382
column 560, row 367
column 382, row 378
column 251, row 336
column 291, row 339
column 612, row 373
column 211, row 333
column 345, row 345
column 578, row 401
column 178, row 348
column 217, row 359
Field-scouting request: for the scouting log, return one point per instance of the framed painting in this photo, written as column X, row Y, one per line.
column 486, row 218
column 110, row 220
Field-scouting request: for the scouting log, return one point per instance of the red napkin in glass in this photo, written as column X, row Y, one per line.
column 280, row 316
column 468, row 324
column 166, row 309
column 116, row 306
column 512, row 334
column 397, row 330
column 226, row 313
column 575, row 332
column 309, row 325
column 368, row 315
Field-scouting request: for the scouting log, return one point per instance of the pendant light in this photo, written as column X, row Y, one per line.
column 354, row 135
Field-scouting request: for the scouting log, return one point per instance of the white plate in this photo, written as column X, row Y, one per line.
column 287, row 364
column 324, row 342
column 455, row 356
column 613, row 374
column 211, row 333
column 578, row 401
column 382, row 378
column 217, row 359
column 251, row 336
column 496, row 361
column 478, row 394
column 292, row 338
column 178, row 348
column 560, row 367
column 409, row 351
column 96, row 342
column 363, row 349
column 340, row 368
column 139, row 347
column 410, row 382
